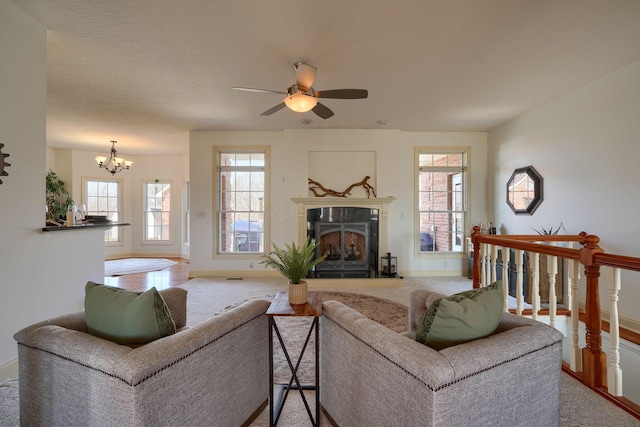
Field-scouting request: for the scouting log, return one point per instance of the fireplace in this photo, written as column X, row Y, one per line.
column 354, row 230
column 348, row 236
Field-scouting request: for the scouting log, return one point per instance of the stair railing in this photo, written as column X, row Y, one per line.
column 591, row 360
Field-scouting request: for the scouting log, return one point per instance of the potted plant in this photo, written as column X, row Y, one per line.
column 58, row 198
column 547, row 232
column 294, row 263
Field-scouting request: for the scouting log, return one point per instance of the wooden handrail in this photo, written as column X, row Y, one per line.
column 617, row 261
column 542, row 237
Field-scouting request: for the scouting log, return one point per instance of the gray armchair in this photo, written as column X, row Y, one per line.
column 210, row 373
column 371, row 375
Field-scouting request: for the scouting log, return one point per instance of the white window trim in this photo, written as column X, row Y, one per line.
column 267, row 199
column 186, row 213
column 171, row 239
column 85, row 196
column 466, row 197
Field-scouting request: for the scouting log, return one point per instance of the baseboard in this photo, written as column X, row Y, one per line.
column 433, row 273
column 255, row 414
column 261, row 272
column 328, row 416
column 9, row 369
column 145, row 255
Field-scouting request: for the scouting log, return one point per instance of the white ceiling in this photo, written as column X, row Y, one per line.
column 146, row 72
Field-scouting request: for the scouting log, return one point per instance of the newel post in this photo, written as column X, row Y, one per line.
column 594, row 360
column 476, row 257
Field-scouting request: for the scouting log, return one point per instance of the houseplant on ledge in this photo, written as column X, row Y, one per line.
column 58, row 199
column 294, row 263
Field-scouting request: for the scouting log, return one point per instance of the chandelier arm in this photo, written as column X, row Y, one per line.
column 117, row 164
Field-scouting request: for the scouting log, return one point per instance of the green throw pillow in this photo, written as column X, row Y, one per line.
column 462, row 317
column 126, row 317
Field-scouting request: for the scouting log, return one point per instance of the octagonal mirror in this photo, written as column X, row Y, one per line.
column 524, row 191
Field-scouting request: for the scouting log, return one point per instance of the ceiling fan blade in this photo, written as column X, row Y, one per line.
column 342, row 93
column 273, row 109
column 322, row 111
column 250, row 89
column 305, row 75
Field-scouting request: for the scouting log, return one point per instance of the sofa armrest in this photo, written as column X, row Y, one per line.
column 416, row 359
column 74, row 321
column 515, row 338
column 176, row 300
column 144, row 361
column 419, row 301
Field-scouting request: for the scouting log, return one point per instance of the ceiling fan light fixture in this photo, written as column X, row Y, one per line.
column 300, row 103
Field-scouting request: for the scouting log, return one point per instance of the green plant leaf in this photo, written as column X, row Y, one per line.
column 57, row 197
column 293, row 262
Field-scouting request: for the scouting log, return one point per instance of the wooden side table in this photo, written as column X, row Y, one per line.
column 280, row 307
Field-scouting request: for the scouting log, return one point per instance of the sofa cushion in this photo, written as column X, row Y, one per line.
column 126, row 317
column 462, row 317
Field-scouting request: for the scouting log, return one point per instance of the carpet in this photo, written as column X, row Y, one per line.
column 120, row 267
column 10, row 402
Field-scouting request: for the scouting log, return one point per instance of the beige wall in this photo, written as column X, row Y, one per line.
column 291, row 151
column 586, row 146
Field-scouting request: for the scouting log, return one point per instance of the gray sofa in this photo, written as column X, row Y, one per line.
column 211, row 373
column 373, row 376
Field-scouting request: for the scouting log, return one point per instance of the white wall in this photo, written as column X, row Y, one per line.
column 75, row 165
column 41, row 274
column 586, row 146
column 289, row 172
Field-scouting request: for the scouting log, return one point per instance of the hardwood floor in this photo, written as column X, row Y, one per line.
column 175, row 275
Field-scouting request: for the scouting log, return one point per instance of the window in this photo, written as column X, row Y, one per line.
column 157, row 211
column 241, row 201
column 442, row 200
column 102, row 197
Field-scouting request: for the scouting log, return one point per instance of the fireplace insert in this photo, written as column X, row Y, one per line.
column 349, row 239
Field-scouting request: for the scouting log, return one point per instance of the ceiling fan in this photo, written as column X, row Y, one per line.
column 302, row 97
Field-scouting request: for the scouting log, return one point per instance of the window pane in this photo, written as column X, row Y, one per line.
column 257, row 181
column 257, row 201
column 243, row 201
column 257, row 159
column 425, row 160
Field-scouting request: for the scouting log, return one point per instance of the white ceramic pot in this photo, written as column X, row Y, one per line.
column 298, row 293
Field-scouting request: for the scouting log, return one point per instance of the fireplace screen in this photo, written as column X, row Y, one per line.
column 349, row 238
column 345, row 245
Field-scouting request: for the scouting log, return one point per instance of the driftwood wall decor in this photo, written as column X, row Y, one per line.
column 319, row 191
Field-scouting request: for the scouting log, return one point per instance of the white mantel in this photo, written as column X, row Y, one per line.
column 381, row 203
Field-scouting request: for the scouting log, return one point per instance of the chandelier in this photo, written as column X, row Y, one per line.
column 114, row 164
